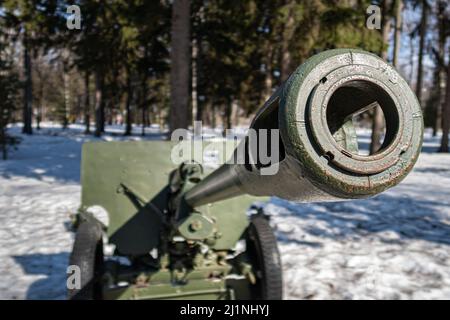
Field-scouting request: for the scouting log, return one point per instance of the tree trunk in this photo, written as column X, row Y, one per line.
column 39, row 106
column 143, row 122
column 411, row 59
column 180, row 65
column 446, row 114
column 234, row 113
column 200, row 111
column 87, row 111
column 4, row 152
column 206, row 114
column 213, row 115
column 398, row 31
column 440, row 73
column 437, row 99
column 377, row 124
column 128, row 125
column 40, row 98
column 423, row 28
column 66, row 111
column 99, row 105
column 228, row 113
column 38, row 120
column 161, row 119
column 150, row 116
column 109, row 103
column 289, row 28
column 194, row 83
column 143, row 102
column 268, row 79
column 28, row 88
column 3, row 142
column 201, row 75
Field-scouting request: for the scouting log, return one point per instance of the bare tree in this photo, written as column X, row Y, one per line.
column 439, row 55
column 446, row 114
column 422, row 35
column 398, row 31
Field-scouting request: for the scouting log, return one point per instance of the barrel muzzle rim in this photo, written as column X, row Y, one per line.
column 305, row 131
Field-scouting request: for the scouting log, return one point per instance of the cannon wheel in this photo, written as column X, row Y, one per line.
column 263, row 251
column 87, row 254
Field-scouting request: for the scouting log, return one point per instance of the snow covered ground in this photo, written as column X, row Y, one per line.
column 394, row 246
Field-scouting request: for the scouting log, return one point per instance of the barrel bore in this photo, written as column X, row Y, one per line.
column 353, row 100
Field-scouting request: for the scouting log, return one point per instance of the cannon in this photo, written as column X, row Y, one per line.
column 148, row 228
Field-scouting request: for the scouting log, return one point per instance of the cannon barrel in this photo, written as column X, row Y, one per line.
column 318, row 155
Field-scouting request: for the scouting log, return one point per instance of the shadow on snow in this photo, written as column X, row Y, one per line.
column 53, row 269
column 408, row 218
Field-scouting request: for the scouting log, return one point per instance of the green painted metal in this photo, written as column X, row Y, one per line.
column 141, row 166
column 232, row 225
column 197, row 227
column 198, row 285
column 129, row 180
